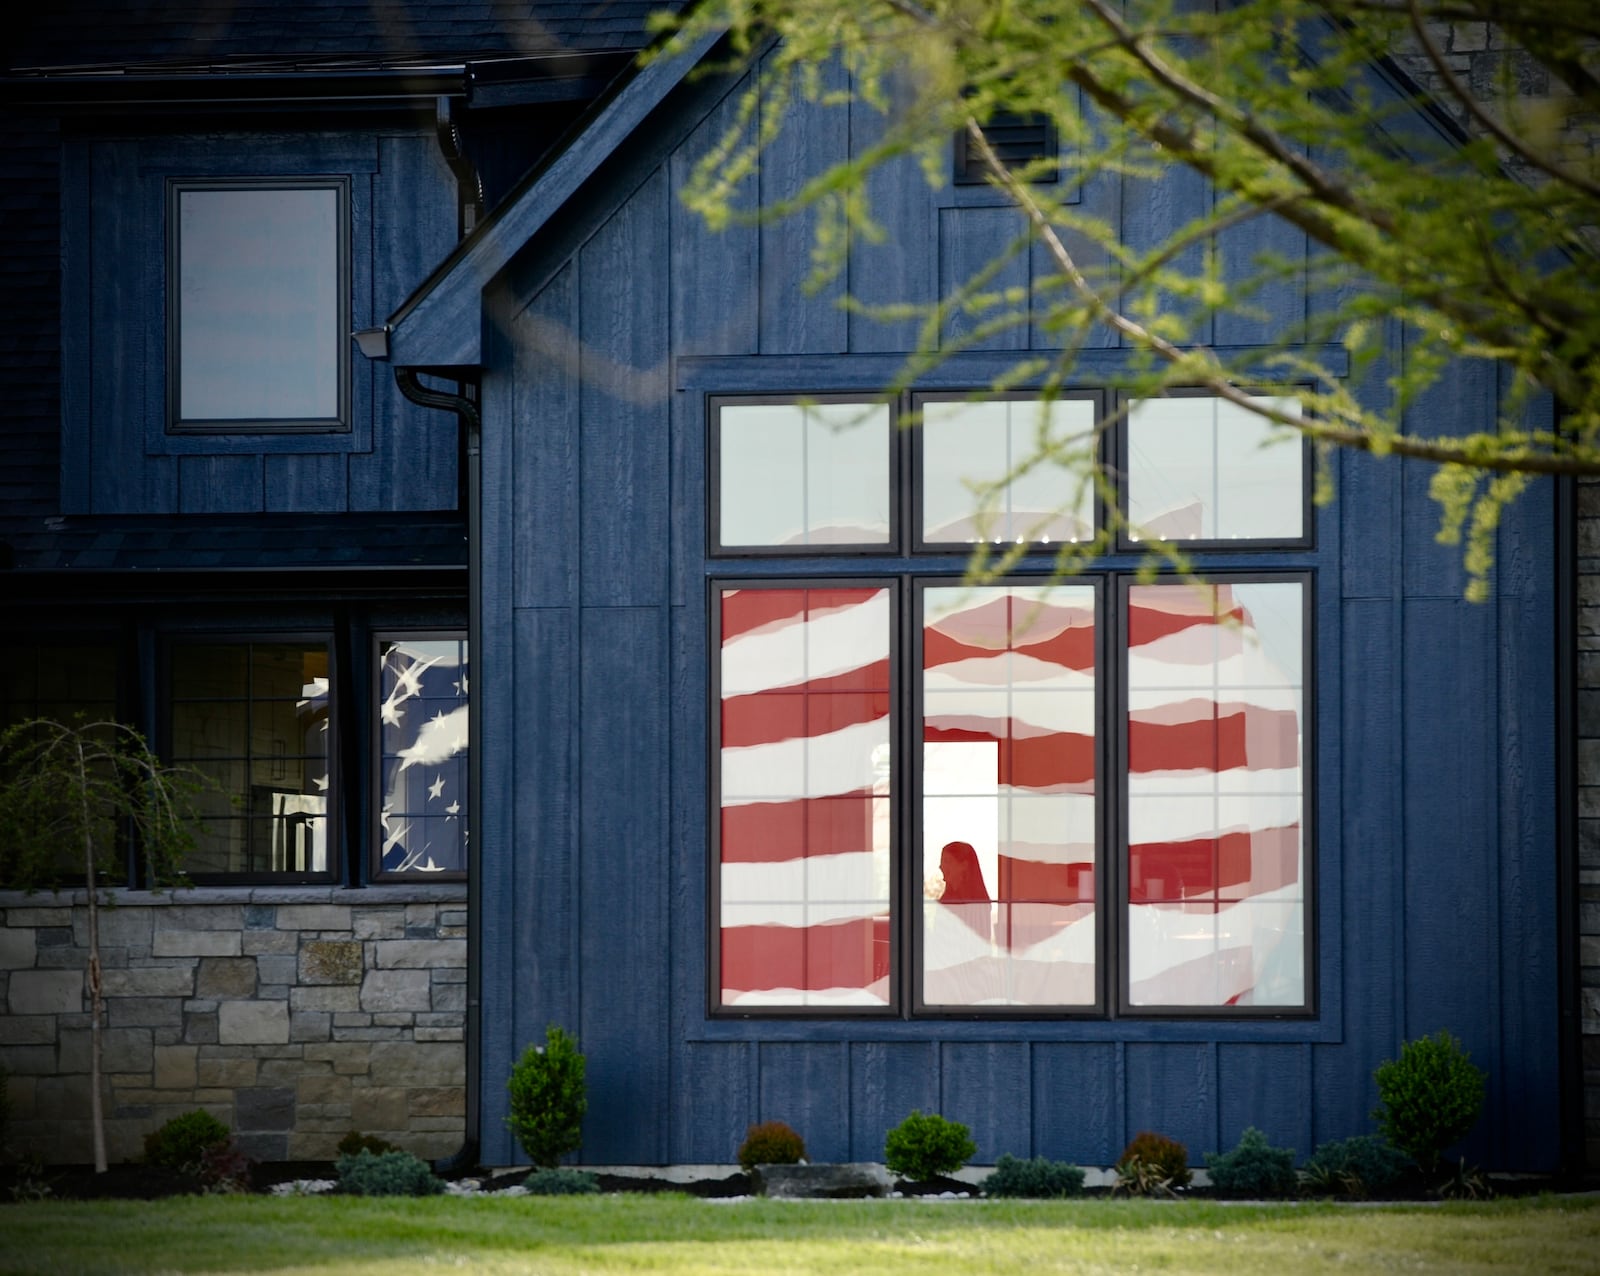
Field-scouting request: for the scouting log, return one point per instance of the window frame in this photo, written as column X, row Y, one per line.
column 180, row 426
column 373, row 726
column 333, row 814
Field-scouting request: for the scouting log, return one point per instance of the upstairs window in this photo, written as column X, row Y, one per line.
column 258, row 305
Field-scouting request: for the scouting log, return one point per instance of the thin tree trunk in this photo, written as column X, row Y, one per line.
column 96, row 1000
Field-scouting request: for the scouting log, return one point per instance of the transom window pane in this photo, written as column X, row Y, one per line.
column 1216, row 795
column 258, row 329
column 804, row 859
column 1008, row 796
column 254, row 717
column 1204, row 469
column 1007, row 470
column 423, row 717
column 795, row 474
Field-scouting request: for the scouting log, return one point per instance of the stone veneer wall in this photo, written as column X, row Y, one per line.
column 293, row 1014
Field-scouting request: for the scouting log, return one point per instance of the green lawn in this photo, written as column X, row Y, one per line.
column 682, row 1234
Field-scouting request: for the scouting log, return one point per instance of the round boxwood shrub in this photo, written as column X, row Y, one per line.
column 1153, row 1163
column 181, row 1144
column 548, row 1098
column 1429, row 1097
column 921, row 1147
column 386, row 1174
column 1361, row 1166
column 1038, row 1178
column 771, row 1143
column 1253, row 1168
column 561, row 1182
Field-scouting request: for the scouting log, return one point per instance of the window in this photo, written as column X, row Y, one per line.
column 1083, row 796
column 258, row 305
column 422, row 760
column 254, row 717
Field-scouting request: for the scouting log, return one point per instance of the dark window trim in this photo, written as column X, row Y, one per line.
column 171, row 644
column 713, row 947
column 373, row 833
column 1306, row 541
column 919, row 545
column 716, row 549
column 1117, row 852
column 339, row 424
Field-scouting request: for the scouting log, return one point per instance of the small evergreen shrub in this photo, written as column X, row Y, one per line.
column 921, row 1147
column 1153, row 1162
column 1429, row 1097
column 548, row 1098
column 182, row 1142
column 1038, row 1178
column 1365, row 1165
column 771, row 1143
column 386, row 1174
column 561, row 1182
column 356, row 1141
column 1253, row 1168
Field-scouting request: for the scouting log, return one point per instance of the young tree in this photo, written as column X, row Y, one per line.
column 1478, row 239
column 67, row 795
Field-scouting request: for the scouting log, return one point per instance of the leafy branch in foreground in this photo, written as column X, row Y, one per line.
column 1404, row 234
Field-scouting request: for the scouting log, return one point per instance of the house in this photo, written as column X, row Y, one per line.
column 768, row 807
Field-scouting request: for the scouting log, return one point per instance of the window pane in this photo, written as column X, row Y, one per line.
column 258, row 279
column 803, row 738
column 1216, row 869
column 1201, row 468
column 254, row 718
column 793, row 474
column 970, row 450
column 1008, row 850
column 423, row 717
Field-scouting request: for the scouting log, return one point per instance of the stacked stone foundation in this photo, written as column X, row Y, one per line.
column 294, row 1015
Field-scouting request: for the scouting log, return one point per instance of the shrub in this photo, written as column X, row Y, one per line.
column 921, row 1147
column 771, row 1143
column 1429, row 1097
column 182, row 1142
column 1036, row 1178
column 386, row 1174
column 1360, row 1166
column 1253, row 1168
column 356, row 1141
column 1154, row 1162
column 548, row 1098
column 224, row 1169
column 559, row 1182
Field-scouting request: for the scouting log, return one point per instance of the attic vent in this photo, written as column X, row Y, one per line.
column 1018, row 139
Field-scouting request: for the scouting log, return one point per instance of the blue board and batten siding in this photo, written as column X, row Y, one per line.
column 117, row 456
column 1433, row 812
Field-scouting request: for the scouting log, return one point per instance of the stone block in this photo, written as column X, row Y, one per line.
column 61, row 1098
column 330, row 961
column 437, row 1101
column 145, row 1012
column 410, row 1063
column 175, row 1067
column 69, row 957
column 30, row 1060
column 310, row 1025
column 420, row 954
column 438, row 1034
column 355, row 1019
column 45, row 992
column 349, row 1058
column 391, row 990
column 260, row 916
column 223, row 977
column 393, row 1019
column 326, row 1117
column 224, row 1074
column 27, row 1030
column 330, row 999
column 310, row 1145
column 21, row 1092
column 18, row 948
column 273, row 943
column 181, row 915
column 122, row 1050
column 379, row 1108
column 200, row 1027
column 321, row 917
column 323, row 1089
column 281, row 969
column 53, row 936
column 264, row 1109
column 149, row 981
column 378, row 923
column 119, row 928
column 18, row 917
column 452, row 917
column 252, row 1022
column 449, row 998
column 196, row 943
column 263, row 1145
column 834, row 1182
column 371, row 1034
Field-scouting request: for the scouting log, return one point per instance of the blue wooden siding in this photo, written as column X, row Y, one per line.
column 1434, row 802
column 116, row 457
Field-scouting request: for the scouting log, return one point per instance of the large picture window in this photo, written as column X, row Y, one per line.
column 1072, row 797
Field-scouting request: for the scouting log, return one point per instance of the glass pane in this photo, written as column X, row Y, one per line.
column 1008, row 849
column 977, row 483
column 1200, row 468
column 804, row 739
column 258, row 304
column 1216, row 797
column 424, row 718
column 803, row 474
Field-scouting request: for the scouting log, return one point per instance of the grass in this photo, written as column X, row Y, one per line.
column 682, row 1234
